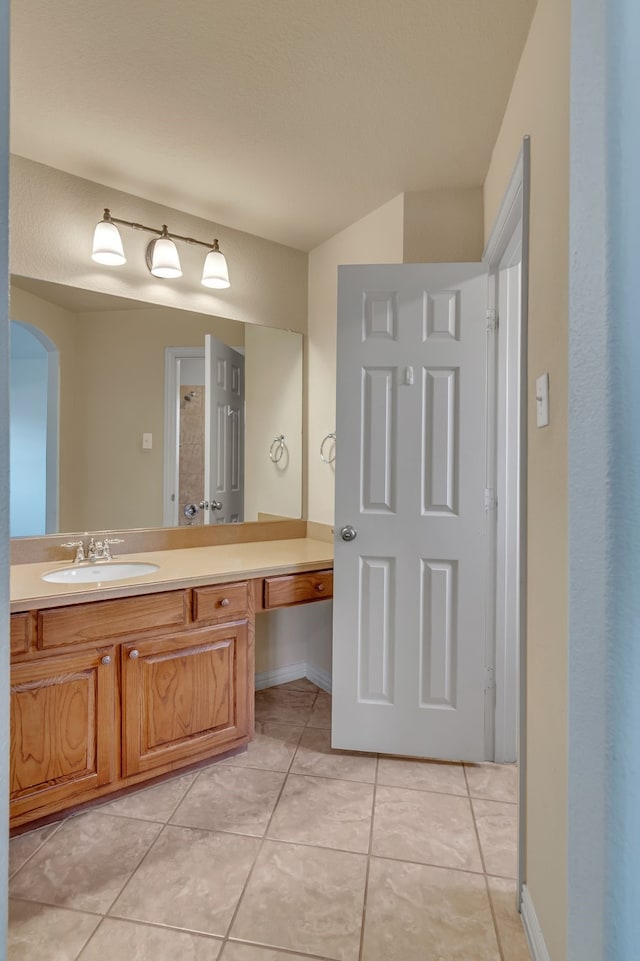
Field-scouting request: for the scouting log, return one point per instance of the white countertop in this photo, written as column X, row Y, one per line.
column 177, row 569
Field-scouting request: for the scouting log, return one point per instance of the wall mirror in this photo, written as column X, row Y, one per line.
column 121, row 411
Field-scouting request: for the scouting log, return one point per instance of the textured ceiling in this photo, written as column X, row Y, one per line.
column 289, row 119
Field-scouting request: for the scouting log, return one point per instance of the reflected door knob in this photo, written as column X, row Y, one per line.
column 213, row 506
column 348, row 533
column 190, row 510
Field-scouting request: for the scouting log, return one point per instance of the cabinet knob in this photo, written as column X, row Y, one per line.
column 106, row 659
column 319, row 587
column 224, row 602
column 133, row 654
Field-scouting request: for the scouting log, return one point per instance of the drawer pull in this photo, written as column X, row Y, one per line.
column 319, row 587
column 133, row 654
column 224, row 602
column 106, row 659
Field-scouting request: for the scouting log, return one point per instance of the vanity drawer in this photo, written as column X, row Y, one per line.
column 21, row 633
column 297, row 588
column 85, row 623
column 224, row 601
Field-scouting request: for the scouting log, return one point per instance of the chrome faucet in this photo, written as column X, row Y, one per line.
column 97, row 550
column 101, row 550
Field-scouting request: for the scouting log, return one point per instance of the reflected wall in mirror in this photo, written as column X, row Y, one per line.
column 95, row 437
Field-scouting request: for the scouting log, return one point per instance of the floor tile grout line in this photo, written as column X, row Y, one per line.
column 476, row 832
column 420, row 790
column 288, row 951
column 484, row 869
column 39, row 848
column 137, row 867
column 52, row 904
column 78, row 956
column 258, row 853
column 369, row 849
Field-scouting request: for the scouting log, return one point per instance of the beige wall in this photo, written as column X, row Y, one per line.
column 273, row 375
column 443, row 226
column 539, row 106
column 53, row 215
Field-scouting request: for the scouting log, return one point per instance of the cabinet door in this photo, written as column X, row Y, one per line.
column 185, row 697
column 62, row 728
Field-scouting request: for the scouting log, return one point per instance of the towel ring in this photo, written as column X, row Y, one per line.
column 277, row 449
column 328, row 460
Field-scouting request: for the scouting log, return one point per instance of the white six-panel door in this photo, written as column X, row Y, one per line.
column 409, row 606
column 224, row 433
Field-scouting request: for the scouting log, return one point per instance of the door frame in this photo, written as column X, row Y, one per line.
column 510, row 235
column 172, row 359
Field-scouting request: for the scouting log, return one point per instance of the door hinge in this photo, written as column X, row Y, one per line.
column 489, row 678
column 490, row 499
column 492, row 320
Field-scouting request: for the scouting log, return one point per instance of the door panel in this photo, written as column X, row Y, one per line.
column 224, row 433
column 409, row 617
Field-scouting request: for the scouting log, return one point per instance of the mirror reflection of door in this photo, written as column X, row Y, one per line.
column 208, row 474
column 224, row 433
column 34, row 431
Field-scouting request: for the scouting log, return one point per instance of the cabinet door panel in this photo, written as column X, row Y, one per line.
column 183, row 695
column 62, row 728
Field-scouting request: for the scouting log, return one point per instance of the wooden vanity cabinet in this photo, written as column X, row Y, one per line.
column 63, row 728
column 108, row 694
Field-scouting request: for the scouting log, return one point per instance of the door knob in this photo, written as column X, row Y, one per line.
column 348, row 533
column 213, row 506
column 190, row 510
column 106, row 659
column 133, row 655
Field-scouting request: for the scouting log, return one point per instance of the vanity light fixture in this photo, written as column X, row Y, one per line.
column 162, row 254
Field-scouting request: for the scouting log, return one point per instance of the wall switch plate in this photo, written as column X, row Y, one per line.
column 147, row 441
column 542, row 400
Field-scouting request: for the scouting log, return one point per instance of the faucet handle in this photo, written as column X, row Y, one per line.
column 80, row 549
column 107, row 542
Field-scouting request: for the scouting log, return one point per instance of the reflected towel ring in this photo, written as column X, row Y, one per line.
column 328, row 460
column 277, row 449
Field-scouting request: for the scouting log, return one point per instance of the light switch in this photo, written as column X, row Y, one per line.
column 542, row 400
column 147, row 441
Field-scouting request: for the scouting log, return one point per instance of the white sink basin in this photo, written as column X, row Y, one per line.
column 97, row 573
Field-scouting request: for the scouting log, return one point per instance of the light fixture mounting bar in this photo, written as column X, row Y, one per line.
column 165, row 232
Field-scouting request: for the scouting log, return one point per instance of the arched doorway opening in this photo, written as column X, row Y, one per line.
column 33, row 431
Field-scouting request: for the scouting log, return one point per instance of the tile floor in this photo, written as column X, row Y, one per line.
column 289, row 852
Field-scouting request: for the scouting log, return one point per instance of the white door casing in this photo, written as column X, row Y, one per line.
column 409, row 607
column 224, row 433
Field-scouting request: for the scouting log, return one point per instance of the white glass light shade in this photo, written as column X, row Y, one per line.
column 107, row 245
column 215, row 272
column 165, row 261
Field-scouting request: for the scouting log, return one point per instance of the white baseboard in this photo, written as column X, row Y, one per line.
column 293, row 672
column 319, row 677
column 532, row 928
